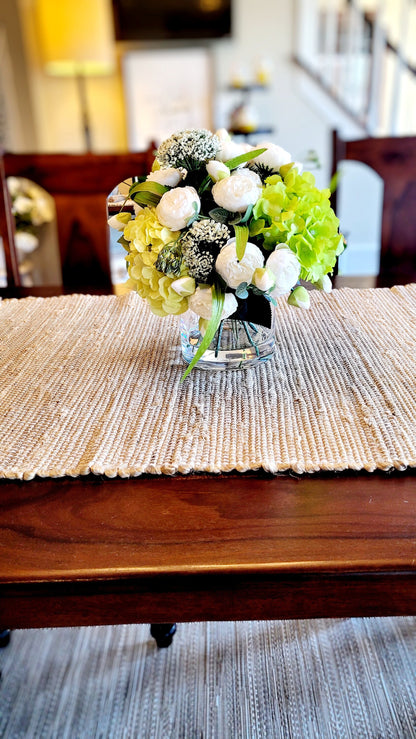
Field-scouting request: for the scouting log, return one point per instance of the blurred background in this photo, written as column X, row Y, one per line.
column 113, row 76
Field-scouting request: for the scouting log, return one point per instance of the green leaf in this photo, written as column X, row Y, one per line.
column 204, row 185
column 214, row 322
column 256, row 227
column 241, row 238
column 146, row 198
column 247, row 214
column 243, row 158
column 148, row 186
column 241, row 291
column 220, row 215
column 124, row 243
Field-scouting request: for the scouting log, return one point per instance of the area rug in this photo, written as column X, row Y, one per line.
column 323, row 679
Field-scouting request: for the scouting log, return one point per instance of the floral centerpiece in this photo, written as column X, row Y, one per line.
column 222, row 229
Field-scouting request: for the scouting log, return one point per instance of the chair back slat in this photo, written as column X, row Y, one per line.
column 394, row 159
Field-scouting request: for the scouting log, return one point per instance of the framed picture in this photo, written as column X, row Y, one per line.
column 166, row 91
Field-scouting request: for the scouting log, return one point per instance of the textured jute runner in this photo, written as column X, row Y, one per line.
column 92, row 384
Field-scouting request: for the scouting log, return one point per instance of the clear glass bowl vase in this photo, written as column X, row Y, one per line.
column 237, row 344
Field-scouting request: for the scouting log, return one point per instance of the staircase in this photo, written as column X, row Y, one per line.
column 361, row 55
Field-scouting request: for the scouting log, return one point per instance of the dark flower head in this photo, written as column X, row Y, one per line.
column 200, row 247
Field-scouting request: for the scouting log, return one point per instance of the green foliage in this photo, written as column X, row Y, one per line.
column 243, row 158
column 214, row 322
column 241, row 238
column 147, row 193
column 296, row 213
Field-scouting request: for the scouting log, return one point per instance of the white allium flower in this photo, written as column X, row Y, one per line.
column 25, row 241
column 217, row 170
column 201, row 303
column 119, row 220
column 264, row 279
column 176, row 207
column 236, row 193
column 170, row 176
column 233, row 271
column 286, row 268
column 274, row 157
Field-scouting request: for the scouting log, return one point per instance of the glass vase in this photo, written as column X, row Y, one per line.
column 237, row 344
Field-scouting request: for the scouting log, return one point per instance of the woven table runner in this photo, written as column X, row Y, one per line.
column 92, row 384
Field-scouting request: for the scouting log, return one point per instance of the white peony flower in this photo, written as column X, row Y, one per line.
column 217, row 170
column 119, row 221
column 236, row 193
column 25, row 241
column 233, row 271
column 286, row 268
column 177, row 206
column 274, row 156
column 253, row 176
column 201, row 303
column 263, row 278
column 169, row 177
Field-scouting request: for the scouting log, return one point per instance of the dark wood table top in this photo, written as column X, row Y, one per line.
column 97, row 550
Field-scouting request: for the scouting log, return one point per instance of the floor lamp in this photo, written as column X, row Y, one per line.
column 76, row 40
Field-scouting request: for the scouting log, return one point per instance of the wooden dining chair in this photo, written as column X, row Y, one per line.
column 79, row 185
column 394, row 159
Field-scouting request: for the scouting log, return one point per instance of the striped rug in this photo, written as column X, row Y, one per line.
column 329, row 679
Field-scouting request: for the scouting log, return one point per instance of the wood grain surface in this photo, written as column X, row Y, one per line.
column 92, row 550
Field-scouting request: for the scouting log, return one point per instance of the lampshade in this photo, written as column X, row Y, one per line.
column 76, row 36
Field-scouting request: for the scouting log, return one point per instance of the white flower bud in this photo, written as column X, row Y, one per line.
column 169, row 177
column 264, row 279
column 274, row 156
column 299, row 297
column 177, row 206
column 184, row 286
column 217, row 170
column 236, row 193
column 324, row 284
column 230, row 149
column 201, row 303
column 234, row 271
column 119, row 221
column 286, row 268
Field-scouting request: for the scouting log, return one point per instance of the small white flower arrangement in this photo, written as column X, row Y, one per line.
column 220, row 225
column 31, row 208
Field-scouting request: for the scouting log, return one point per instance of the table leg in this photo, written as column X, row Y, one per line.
column 163, row 634
column 4, row 637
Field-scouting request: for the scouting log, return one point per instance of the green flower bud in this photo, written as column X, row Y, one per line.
column 299, row 297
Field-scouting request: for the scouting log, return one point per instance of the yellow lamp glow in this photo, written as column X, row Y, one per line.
column 76, row 36
column 76, row 39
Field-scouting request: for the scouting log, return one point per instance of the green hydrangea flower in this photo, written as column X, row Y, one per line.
column 294, row 212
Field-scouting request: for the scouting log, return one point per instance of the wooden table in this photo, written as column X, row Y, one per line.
column 91, row 550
